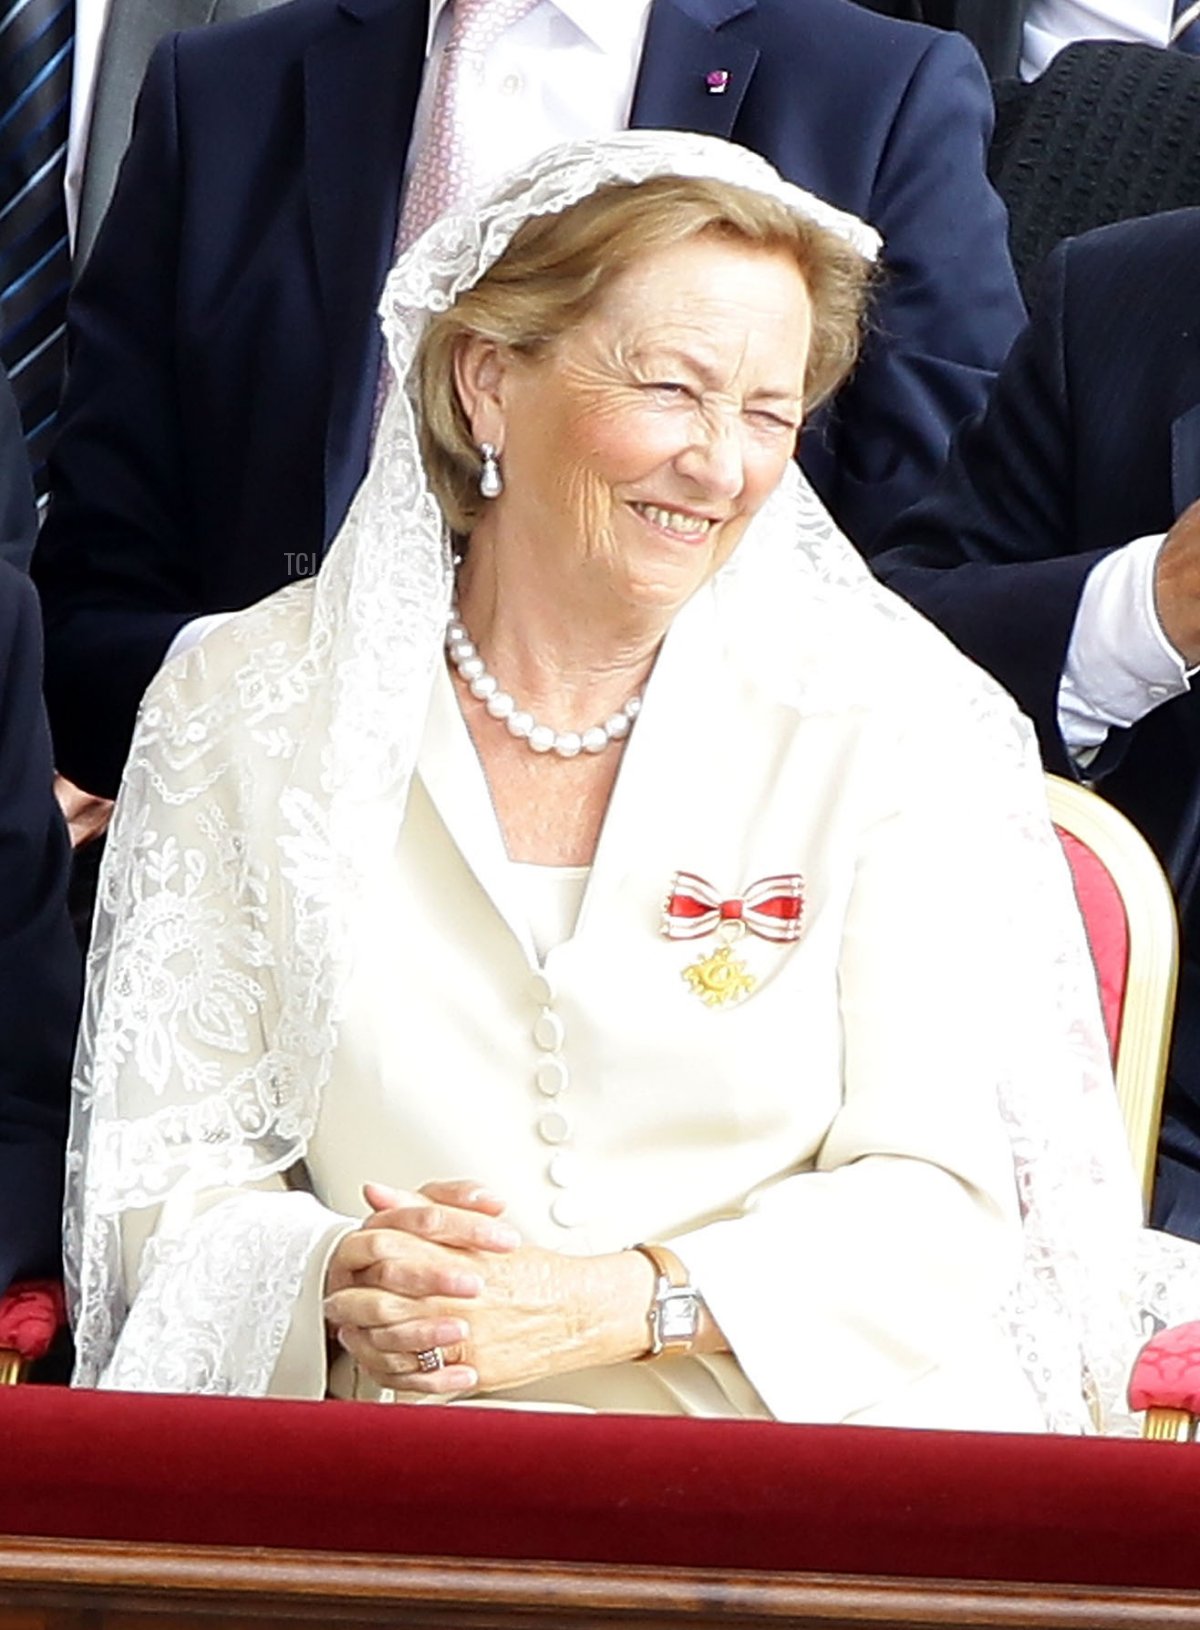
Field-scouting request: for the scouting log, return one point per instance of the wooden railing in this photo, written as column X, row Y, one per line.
column 56, row 1585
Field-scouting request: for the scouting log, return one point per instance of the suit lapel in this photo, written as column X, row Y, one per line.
column 132, row 30
column 1185, row 459
column 686, row 42
column 361, row 82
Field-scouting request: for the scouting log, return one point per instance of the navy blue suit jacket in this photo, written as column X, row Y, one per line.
column 992, row 26
column 1092, row 438
column 39, row 960
column 224, row 342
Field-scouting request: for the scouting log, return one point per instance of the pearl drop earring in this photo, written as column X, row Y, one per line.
column 491, row 482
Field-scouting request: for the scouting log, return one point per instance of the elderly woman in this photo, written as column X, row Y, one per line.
column 595, row 870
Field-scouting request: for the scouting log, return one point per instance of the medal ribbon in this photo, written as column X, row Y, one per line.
column 772, row 907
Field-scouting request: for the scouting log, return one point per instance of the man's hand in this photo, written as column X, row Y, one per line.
column 86, row 815
column 1177, row 585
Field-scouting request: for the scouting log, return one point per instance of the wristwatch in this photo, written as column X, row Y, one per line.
column 675, row 1311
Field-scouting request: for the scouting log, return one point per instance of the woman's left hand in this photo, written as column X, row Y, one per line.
column 537, row 1313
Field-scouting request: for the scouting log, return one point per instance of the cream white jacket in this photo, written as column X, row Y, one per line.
column 826, row 1155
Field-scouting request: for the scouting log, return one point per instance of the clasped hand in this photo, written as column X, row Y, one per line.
column 439, row 1268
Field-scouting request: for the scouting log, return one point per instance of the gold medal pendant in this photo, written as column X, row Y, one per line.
column 720, row 979
column 770, row 908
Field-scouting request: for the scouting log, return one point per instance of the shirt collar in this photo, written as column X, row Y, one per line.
column 609, row 24
column 436, row 8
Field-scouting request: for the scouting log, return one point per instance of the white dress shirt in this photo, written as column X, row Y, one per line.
column 1051, row 24
column 1120, row 664
column 563, row 72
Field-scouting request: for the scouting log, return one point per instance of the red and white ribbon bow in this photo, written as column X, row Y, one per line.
column 772, row 907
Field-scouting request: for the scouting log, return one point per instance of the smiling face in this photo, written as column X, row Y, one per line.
column 637, row 448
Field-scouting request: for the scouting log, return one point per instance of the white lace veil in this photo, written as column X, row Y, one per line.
column 268, row 774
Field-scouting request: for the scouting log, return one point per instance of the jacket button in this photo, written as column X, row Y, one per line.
column 554, row 1128
column 548, row 1031
column 551, row 1077
column 541, row 990
column 563, row 1169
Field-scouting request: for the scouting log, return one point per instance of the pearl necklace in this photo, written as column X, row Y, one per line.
column 523, row 725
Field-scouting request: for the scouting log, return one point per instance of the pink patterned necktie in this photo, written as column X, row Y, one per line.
column 444, row 172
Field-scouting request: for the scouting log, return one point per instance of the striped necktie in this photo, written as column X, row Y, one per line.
column 1185, row 29
column 447, row 170
column 36, row 46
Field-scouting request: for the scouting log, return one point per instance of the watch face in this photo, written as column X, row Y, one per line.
column 679, row 1315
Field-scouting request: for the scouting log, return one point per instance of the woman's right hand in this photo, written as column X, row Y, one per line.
column 419, row 1238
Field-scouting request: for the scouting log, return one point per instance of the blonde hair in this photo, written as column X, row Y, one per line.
column 557, row 267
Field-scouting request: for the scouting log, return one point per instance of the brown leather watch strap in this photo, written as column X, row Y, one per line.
column 667, row 1263
column 672, row 1286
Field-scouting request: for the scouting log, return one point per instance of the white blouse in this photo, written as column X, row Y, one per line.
column 552, row 896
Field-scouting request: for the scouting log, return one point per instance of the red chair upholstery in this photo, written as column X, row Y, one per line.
column 1166, row 1383
column 1107, row 929
column 31, row 1314
column 1129, row 915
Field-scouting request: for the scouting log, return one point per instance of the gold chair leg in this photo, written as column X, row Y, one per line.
column 12, row 1367
column 1169, row 1425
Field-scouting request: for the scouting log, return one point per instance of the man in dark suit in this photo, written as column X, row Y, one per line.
column 1040, row 554
column 992, row 26
column 107, row 88
column 225, row 345
column 39, row 962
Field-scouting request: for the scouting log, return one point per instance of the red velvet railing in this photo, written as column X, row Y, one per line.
column 432, row 1482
